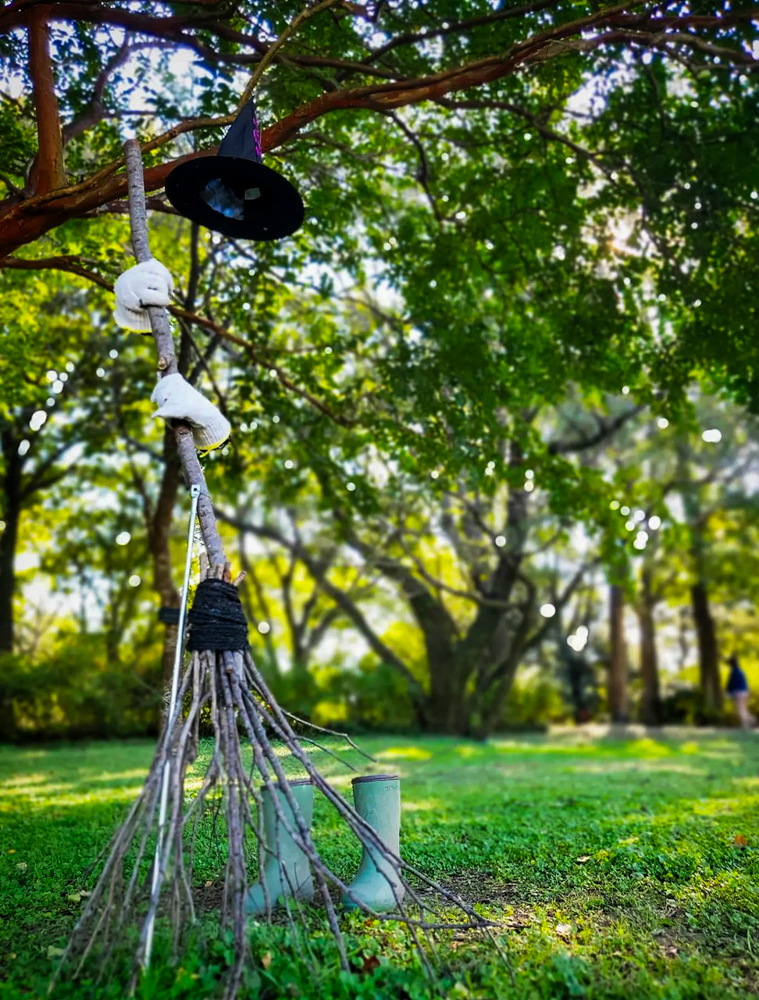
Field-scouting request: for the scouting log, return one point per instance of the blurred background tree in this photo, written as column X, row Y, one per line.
column 471, row 397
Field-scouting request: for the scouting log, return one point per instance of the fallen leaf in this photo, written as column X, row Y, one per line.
column 53, row 952
column 583, row 858
column 564, row 929
column 266, row 960
column 671, row 951
column 12, row 850
column 209, row 884
column 75, row 897
column 739, row 840
column 370, row 964
column 22, row 865
column 85, row 892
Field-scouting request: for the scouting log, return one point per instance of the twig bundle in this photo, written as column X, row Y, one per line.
column 228, row 686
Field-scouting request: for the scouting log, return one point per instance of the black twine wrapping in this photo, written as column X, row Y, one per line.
column 216, row 619
column 168, row 615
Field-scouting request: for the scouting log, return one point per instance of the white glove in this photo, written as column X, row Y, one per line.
column 178, row 400
column 146, row 284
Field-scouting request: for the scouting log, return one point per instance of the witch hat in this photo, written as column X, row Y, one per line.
column 233, row 192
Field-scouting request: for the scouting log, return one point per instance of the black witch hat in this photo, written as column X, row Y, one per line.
column 233, row 192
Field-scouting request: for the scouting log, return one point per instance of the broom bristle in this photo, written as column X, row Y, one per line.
column 230, row 685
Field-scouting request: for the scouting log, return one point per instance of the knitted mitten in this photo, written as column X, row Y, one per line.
column 146, row 284
column 178, row 400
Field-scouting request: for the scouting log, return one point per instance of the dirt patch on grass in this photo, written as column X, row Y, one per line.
column 483, row 887
column 208, row 897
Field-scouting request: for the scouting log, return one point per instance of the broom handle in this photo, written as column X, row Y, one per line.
column 194, row 479
column 167, row 362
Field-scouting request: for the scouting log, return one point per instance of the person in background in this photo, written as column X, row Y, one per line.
column 737, row 689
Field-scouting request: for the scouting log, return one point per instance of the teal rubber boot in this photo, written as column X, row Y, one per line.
column 378, row 884
column 292, row 877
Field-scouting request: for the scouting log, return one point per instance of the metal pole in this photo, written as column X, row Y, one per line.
column 166, row 779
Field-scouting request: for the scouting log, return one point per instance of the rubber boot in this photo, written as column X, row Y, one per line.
column 295, row 880
column 378, row 884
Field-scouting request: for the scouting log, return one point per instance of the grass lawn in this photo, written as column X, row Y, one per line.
column 619, row 868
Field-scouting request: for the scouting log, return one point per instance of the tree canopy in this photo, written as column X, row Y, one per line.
column 528, row 229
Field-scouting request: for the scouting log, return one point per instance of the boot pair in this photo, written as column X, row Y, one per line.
column 377, row 885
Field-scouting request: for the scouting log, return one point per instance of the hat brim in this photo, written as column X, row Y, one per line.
column 275, row 213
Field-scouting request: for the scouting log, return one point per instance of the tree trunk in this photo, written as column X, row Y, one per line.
column 650, row 702
column 487, row 657
column 493, row 717
column 617, row 676
column 11, row 514
column 9, row 539
column 445, row 712
column 708, row 656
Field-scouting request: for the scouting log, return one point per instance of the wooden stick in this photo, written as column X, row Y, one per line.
column 167, row 362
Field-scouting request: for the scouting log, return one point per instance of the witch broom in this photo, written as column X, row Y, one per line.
column 221, row 679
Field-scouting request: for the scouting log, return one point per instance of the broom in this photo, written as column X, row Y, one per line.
column 222, row 679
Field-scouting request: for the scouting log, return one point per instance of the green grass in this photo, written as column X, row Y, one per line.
column 665, row 904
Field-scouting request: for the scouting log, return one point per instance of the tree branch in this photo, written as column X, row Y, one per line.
column 413, row 38
column 72, row 265
column 539, row 634
column 23, row 222
column 96, row 112
column 47, row 172
column 606, row 429
column 291, row 28
column 340, row 597
column 431, row 614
